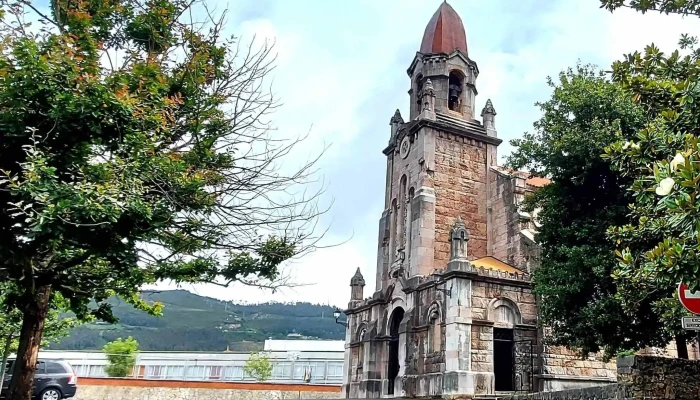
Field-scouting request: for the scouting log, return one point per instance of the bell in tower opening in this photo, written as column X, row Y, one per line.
column 455, row 91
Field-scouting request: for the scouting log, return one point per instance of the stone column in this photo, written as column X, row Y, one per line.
column 458, row 378
column 382, row 252
column 348, row 369
column 424, row 242
column 399, row 390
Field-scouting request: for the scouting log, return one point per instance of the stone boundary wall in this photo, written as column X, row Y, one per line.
column 606, row 392
column 638, row 377
column 144, row 389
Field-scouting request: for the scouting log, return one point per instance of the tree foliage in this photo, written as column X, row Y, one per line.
column 136, row 148
column 579, row 299
column 683, row 7
column 591, row 299
column 121, row 357
column 258, row 366
column 660, row 246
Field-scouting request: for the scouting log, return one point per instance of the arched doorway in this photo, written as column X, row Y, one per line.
column 393, row 364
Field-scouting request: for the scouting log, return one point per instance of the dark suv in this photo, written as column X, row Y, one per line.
column 54, row 380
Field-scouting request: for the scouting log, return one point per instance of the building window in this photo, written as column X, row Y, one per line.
column 419, row 93
column 435, row 330
column 456, row 83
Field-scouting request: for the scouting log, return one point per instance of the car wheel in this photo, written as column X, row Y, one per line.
column 50, row 394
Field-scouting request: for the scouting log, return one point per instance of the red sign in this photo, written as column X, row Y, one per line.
column 690, row 300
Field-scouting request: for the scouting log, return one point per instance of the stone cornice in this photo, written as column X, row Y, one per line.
column 471, row 131
column 441, row 57
column 482, row 322
column 576, row 378
column 526, row 327
column 494, row 277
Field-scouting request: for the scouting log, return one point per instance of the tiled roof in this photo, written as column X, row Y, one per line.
column 444, row 33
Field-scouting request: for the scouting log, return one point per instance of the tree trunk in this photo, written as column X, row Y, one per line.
column 22, row 383
column 5, row 356
column 681, row 347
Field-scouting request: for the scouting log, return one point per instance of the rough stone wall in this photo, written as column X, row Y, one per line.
column 505, row 230
column 638, row 377
column 428, row 358
column 460, row 190
column 362, row 360
column 606, row 392
column 563, row 362
column 150, row 393
column 484, row 292
column 670, row 351
column 659, row 378
column 482, row 348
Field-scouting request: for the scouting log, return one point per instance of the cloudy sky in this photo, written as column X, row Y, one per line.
column 341, row 73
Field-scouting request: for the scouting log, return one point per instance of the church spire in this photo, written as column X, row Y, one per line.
column 444, row 33
column 444, row 60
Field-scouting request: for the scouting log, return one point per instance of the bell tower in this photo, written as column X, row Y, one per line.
column 444, row 61
column 438, row 160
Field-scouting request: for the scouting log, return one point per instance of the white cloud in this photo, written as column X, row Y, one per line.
column 341, row 72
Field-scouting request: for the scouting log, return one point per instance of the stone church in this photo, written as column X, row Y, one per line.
column 453, row 314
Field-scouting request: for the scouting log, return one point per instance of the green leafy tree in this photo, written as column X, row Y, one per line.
column 660, row 246
column 586, row 195
column 258, row 366
column 121, row 357
column 136, row 148
column 683, row 7
column 655, row 245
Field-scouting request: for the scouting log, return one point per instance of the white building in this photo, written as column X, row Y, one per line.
column 291, row 360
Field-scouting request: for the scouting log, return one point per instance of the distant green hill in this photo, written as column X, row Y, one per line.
column 197, row 323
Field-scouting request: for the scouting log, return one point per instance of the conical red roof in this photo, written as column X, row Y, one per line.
column 444, row 33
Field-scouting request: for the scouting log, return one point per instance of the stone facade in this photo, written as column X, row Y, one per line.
column 453, row 314
column 638, row 377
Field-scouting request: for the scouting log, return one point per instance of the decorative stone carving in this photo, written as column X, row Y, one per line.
column 428, row 96
column 357, row 284
column 489, row 116
column 488, row 108
column 357, row 279
column 405, row 147
column 396, row 122
column 433, row 313
column 397, row 118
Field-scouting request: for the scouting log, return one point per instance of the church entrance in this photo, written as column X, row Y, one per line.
column 393, row 364
column 503, row 359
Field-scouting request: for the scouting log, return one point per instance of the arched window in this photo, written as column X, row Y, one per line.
column 401, row 223
column 393, row 364
column 392, row 229
column 419, row 91
column 504, row 313
column 361, row 351
column 409, row 207
column 435, row 329
column 456, row 87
